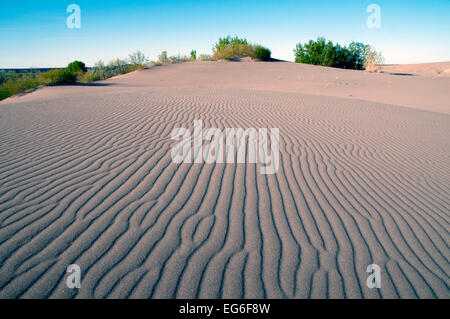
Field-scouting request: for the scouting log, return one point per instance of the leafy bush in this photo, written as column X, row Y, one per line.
column 101, row 70
column 132, row 67
column 230, row 48
column 138, row 58
column 357, row 53
column 77, row 67
column 372, row 59
column 137, row 61
column 3, row 93
column 5, row 76
column 90, row 76
column 178, row 58
column 233, row 51
column 261, row 53
column 322, row 52
column 61, row 76
column 223, row 43
column 118, row 65
column 18, row 84
column 12, row 83
column 163, row 57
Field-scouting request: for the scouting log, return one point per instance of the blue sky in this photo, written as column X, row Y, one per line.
column 35, row 34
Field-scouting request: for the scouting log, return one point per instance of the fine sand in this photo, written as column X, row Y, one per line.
column 86, row 178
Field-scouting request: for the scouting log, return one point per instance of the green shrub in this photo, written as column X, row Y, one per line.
column 162, row 58
column 14, row 86
column 61, row 76
column 261, row 53
column 178, row 58
column 77, row 67
column 233, row 51
column 3, row 93
column 18, row 84
column 321, row 52
column 372, row 59
column 132, row 67
column 100, row 70
column 118, row 65
column 229, row 41
column 90, row 76
column 5, row 76
column 12, row 83
column 318, row 52
column 230, row 48
column 138, row 58
column 357, row 52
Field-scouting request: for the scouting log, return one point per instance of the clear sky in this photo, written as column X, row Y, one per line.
column 35, row 34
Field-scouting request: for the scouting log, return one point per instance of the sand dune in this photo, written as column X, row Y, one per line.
column 437, row 69
column 86, row 178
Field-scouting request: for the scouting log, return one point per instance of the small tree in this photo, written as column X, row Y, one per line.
column 261, row 53
column 229, row 41
column 77, row 67
column 118, row 64
column 357, row 52
column 100, row 69
column 356, row 56
column 230, row 48
column 163, row 57
column 372, row 59
column 138, row 58
column 60, row 76
column 193, row 55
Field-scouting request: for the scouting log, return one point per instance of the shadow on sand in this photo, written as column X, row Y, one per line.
column 241, row 59
column 85, row 84
column 403, row 74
